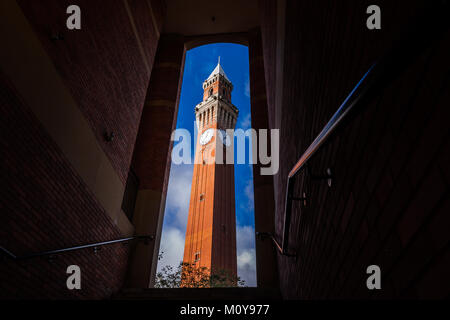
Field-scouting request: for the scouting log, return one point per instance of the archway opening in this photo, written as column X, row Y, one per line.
column 201, row 62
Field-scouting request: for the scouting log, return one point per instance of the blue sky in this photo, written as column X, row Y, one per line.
column 200, row 62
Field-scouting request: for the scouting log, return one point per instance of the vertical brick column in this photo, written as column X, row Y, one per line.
column 151, row 160
column 266, row 260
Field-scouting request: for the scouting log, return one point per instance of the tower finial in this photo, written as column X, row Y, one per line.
column 219, row 60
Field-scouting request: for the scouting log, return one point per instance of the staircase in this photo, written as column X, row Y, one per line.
column 198, row 294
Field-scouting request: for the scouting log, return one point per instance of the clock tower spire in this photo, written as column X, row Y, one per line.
column 211, row 229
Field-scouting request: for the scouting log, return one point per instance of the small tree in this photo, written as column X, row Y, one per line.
column 223, row 278
column 190, row 276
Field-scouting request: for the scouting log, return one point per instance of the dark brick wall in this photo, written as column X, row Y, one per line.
column 152, row 153
column 45, row 205
column 388, row 204
column 268, row 18
column 266, row 264
column 102, row 64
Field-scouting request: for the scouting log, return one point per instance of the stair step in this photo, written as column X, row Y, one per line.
column 198, row 294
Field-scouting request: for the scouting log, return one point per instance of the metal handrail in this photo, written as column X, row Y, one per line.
column 74, row 248
column 349, row 103
column 428, row 28
column 354, row 96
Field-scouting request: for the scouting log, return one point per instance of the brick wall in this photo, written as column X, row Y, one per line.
column 268, row 18
column 151, row 155
column 45, row 205
column 389, row 197
column 266, row 261
column 104, row 66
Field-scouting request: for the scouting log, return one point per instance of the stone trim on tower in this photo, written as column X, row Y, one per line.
column 216, row 107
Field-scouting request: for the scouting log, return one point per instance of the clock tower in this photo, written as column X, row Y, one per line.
column 211, row 229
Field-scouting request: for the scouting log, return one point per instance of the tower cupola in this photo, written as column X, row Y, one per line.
column 218, row 85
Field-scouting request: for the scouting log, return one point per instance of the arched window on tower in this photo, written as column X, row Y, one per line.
column 210, row 92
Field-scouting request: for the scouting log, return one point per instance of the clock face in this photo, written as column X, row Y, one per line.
column 226, row 140
column 206, row 136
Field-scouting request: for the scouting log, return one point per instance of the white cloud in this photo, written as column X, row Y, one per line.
column 172, row 247
column 246, row 122
column 246, row 262
column 173, row 235
column 176, row 215
column 245, row 237
column 248, row 191
column 247, row 87
column 178, row 195
column 246, row 257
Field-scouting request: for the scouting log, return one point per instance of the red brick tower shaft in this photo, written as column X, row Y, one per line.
column 211, row 229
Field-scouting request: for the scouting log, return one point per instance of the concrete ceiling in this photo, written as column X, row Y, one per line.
column 203, row 17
